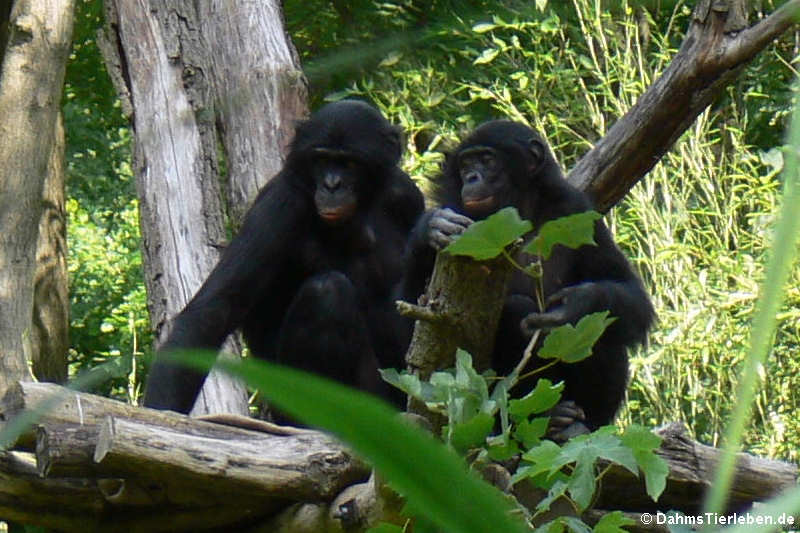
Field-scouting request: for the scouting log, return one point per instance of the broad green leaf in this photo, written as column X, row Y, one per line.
column 541, row 458
column 612, row 523
column 530, row 432
column 572, row 231
column 581, row 483
column 472, row 433
column 433, row 478
column 488, row 238
column 644, row 443
column 502, row 448
column 558, row 490
column 570, row 343
column 539, row 400
column 603, row 444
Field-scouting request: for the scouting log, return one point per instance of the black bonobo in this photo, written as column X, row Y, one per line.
column 310, row 278
column 501, row 164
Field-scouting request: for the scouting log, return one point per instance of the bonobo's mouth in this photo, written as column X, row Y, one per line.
column 338, row 214
column 479, row 205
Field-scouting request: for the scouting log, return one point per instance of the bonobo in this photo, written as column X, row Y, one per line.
column 311, row 276
column 504, row 163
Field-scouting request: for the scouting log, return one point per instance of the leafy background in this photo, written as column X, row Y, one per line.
column 696, row 228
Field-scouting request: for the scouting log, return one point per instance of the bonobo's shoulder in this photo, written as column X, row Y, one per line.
column 402, row 196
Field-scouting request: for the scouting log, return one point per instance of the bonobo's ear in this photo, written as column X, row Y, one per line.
column 394, row 138
column 537, row 151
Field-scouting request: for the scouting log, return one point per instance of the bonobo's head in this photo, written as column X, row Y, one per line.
column 341, row 155
column 496, row 166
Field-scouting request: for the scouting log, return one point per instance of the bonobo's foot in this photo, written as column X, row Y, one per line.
column 566, row 421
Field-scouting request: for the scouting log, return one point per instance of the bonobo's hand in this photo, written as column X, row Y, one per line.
column 566, row 421
column 566, row 306
column 444, row 226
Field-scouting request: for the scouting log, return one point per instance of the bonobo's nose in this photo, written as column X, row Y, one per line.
column 472, row 177
column 332, row 182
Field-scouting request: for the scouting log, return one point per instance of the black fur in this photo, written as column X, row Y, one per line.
column 309, row 291
column 502, row 164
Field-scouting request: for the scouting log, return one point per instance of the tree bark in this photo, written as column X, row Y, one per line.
column 717, row 46
column 176, row 62
column 31, row 82
column 50, row 335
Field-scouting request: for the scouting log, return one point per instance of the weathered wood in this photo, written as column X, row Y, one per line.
column 189, row 453
column 31, row 83
column 50, row 332
column 455, row 315
column 59, row 405
column 260, row 468
column 691, row 471
column 159, row 52
column 65, row 450
column 716, row 48
column 452, row 315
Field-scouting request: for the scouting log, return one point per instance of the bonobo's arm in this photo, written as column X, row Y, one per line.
column 609, row 283
column 246, row 269
column 434, row 230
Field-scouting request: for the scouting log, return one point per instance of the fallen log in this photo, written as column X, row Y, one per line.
column 691, row 470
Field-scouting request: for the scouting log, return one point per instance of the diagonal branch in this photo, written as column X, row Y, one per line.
column 712, row 55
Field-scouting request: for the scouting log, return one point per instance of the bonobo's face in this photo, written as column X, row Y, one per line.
column 336, row 180
column 485, row 183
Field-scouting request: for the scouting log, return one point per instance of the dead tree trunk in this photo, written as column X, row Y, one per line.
column 192, row 79
column 50, row 333
column 31, row 82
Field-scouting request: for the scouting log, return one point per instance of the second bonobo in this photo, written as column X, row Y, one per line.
column 502, row 164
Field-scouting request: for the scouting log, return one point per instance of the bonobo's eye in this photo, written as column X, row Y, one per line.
column 352, row 165
column 488, row 160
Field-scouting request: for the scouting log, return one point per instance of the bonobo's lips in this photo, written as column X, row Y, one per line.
column 338, row 214
column 479, row 204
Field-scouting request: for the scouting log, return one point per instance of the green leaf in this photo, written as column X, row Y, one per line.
column 486, row 56
column 483, row 27
column 571, row 344
column 572, row 231
column 558, row 490
column 488, row 238
column 502, row 448
column 541, row 458
column 612, row 523
column 434, row 479
column 392, row 58
column 386, row 528
column 643, row 443
column 539, row 400
column 581, row 483
column 530, row 432
column 472, row 433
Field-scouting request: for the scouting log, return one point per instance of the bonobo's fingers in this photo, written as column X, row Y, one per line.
column 564, row 307
column 574, row 429
column 444, row 226
column 566, row 421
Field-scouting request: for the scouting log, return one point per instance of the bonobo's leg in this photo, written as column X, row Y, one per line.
column 324, row 332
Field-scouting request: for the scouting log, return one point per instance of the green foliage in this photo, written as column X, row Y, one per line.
column 108, row 314
column 572, row 231
column 571, row 343
column 434, row 481
column 695, row 227
column 567, row 473
column 488, row 238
